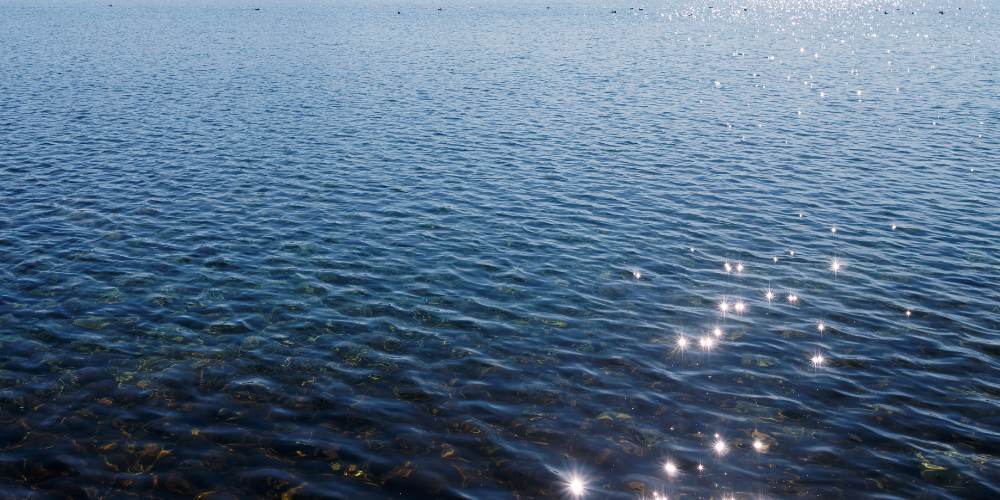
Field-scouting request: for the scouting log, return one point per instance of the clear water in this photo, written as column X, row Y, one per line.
column 382, row 250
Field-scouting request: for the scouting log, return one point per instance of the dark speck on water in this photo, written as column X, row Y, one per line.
column 498, row 253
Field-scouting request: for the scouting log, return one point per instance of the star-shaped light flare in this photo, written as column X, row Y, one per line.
column 836, row 265
column 670, row 468
column 719, row 447
column 724, row 306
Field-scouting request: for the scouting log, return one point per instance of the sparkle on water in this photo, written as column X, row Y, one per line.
column 720, row 447
column 724, row 306
column 836, row 265
column 740, row 307
column 670, row 468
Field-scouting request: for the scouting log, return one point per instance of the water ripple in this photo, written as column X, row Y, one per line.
column 329, row 251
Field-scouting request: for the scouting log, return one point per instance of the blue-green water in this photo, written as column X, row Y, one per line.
column 477, row 250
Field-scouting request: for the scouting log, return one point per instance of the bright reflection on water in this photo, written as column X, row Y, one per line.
column 497, row 251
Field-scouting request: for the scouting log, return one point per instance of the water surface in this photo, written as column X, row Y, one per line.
column 477, row 250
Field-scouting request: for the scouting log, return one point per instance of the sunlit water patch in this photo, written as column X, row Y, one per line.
column 483, row 250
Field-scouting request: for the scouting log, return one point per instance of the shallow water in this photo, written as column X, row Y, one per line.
column 328, row 250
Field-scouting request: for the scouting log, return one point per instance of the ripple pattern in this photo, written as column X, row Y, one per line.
column 324, row 250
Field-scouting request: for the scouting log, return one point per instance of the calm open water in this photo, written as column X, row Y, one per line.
column 337, row 250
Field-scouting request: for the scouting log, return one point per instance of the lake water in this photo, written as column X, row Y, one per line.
column 337, row 250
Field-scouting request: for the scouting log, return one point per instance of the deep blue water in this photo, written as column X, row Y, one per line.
column 330, row 250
